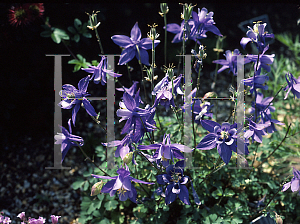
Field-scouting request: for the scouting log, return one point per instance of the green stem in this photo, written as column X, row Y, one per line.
column 128, row 70
column 99, row 41
column 86, row 156
column 165, row 50
column 143, row 79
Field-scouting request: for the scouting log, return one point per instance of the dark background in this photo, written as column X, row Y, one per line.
column 27, row 76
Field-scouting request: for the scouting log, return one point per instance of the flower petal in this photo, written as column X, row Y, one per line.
column 135, row 33
column 208, row 142
column 122, row 40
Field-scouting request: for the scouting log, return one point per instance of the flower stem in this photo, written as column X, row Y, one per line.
column 128, row 70
column 165, row 50
column 86, row 156
column 99, row 41
column 143, row 79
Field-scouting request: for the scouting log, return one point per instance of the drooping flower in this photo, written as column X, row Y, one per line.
column 256, row 131
column 130, row 111
column 256, row 82
column 175, row 181
column 224, row 137
column 122, row 184
column 67, row 139
column 134, row 46
column 257, row 35
column 99, row 72
column 22, row 216
column 230, row 61
column 165, row 150
column 73, row 96
column 294, row 183
column 264, row 61
column 293, row 85
column 131, row 91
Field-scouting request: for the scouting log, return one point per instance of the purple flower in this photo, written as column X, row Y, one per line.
column 73, row 96
column 121, row 184
column 66, row 139
column 133, row 45
column 22, row 216
column 264, row 61
column 130, row 111
column 256, row 35
column 4, row 219
column 224, row 137
column 131, row 91
column 256, row 131
column 256, row 82
column 40, row 220
column 294, row 183
column 293, row 85
column 165, row 150
column 231, row 61
column 178, row 30
column 99, row 72
column 203, row 22
column 176, row 181
column 54, row 219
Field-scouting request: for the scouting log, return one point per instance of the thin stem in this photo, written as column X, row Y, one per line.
column 128, row 70
column 143, row 79
column 165, row 50
column 198, row 80
column 287, row 131
column 91, row 160
column 99, row 41
column 63, row 41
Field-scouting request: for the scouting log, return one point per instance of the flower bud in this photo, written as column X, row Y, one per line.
column 153, row 35
column 128, row 158
column 210, row 95
column 96, row 189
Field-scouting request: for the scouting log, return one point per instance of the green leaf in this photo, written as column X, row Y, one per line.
column 228, row 193
column 111, row 205
column 77, row 24
column 104, row 221
column 76, row 68
column 217, row 193
column 87, row 35
column 55, row 38
column 96, row 213
column 76, row 38
column 46, row 33
column 86, row 186
column 59, row 34
column 79, row 56
column 74, row 61
column 77, row 184
column 72, row 30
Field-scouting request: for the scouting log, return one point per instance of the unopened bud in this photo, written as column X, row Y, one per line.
column 128, row 158
column 187, row 11
column 93, row 21
column 96, row 189
column 210, row 95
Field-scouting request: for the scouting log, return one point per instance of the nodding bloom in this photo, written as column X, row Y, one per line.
column 165, row 150
column 256, row 131
column 134, row 46
column 99, row 72
column 257, row 35
column 293, row 85
column 131, row 91
column 224, row 137
column 255, row 82
column 230, row 61
column 73, row 96
column 175, row 181
column 67, row 139
column 122, row 184
column 294, row 183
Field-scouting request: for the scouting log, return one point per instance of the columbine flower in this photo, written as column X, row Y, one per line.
column 293, row 85
column 131, row 91
column 121, row 184
column 22, row 216
column 40, row 220
column 54, row 219
column 255, row 82
column 264, row 61
column 231, row 61
column 294, row 183
column 178, row 30
column 256, row 131
column 134, row 46
column 176, row 181
column 256, row 35
column 73, row 96
column 99, row 72
column 224, row 137
column 130, row 111
column 203, row 22
column 67, row 139
column 165, row 150
column 19, row 15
